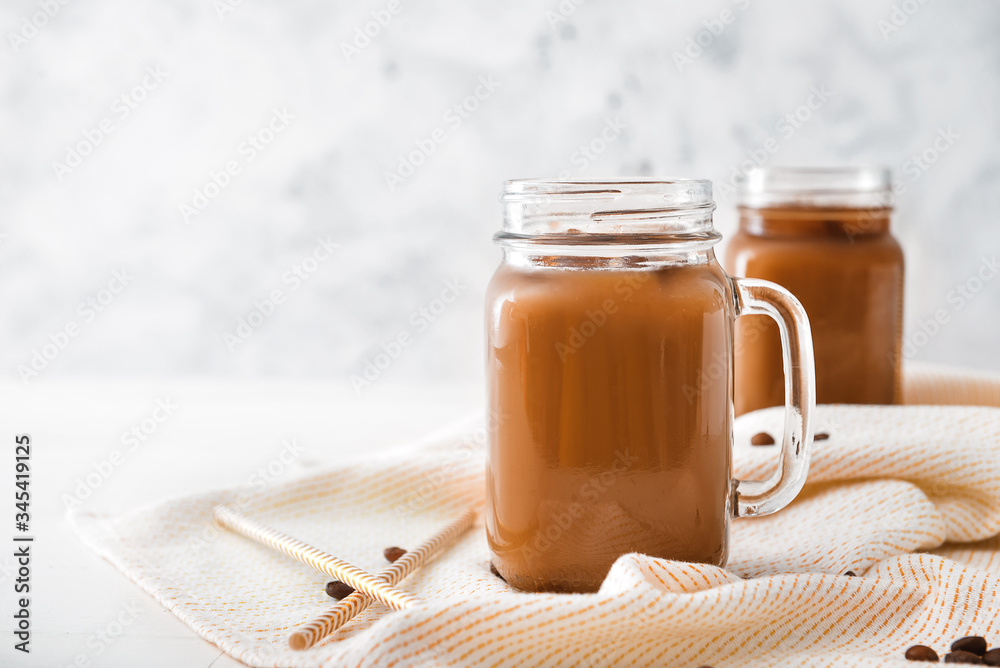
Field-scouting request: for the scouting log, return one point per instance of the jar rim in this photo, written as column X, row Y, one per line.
column 854, row 186
column 679, row 193
column 625, row 208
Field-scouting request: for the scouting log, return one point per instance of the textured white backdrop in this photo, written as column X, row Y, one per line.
column 225, row 66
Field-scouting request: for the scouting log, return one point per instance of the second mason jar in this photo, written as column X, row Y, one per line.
column 824, row 235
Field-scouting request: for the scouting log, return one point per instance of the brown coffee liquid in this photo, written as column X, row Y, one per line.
column 611, row 391
column 847, row 270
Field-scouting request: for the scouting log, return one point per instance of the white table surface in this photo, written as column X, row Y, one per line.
column 218, row 436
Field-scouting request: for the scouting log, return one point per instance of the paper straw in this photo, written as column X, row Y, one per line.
column 321, row 561
column 315, row 630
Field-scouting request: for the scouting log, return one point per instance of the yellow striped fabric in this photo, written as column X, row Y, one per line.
column 906, row 497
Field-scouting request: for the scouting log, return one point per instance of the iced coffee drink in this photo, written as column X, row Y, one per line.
column 833, row 250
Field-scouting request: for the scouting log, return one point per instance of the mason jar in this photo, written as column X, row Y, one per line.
column 610, row 330
column 824, row 234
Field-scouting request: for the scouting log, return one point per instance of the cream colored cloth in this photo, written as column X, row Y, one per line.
column 907, row 497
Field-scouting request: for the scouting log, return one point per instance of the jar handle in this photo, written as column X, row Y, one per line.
column 754, row 296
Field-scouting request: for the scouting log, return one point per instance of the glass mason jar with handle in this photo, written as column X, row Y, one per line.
column 610, row 354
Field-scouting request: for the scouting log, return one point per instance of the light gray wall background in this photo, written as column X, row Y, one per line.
column 687, row 89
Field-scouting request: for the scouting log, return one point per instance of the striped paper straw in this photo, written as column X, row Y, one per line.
column 321, row 561
column 315, row 630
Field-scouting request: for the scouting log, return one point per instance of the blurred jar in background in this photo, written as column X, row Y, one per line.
column 824, row 235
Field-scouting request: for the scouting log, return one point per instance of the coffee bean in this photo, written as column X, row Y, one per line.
column 992, row 657
column 822, row 436
column 972, row 644
column 763, row 438
column 852, row 574
column 393, row 553
column 338, row 590
column 921, row 653
column 962, row 657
